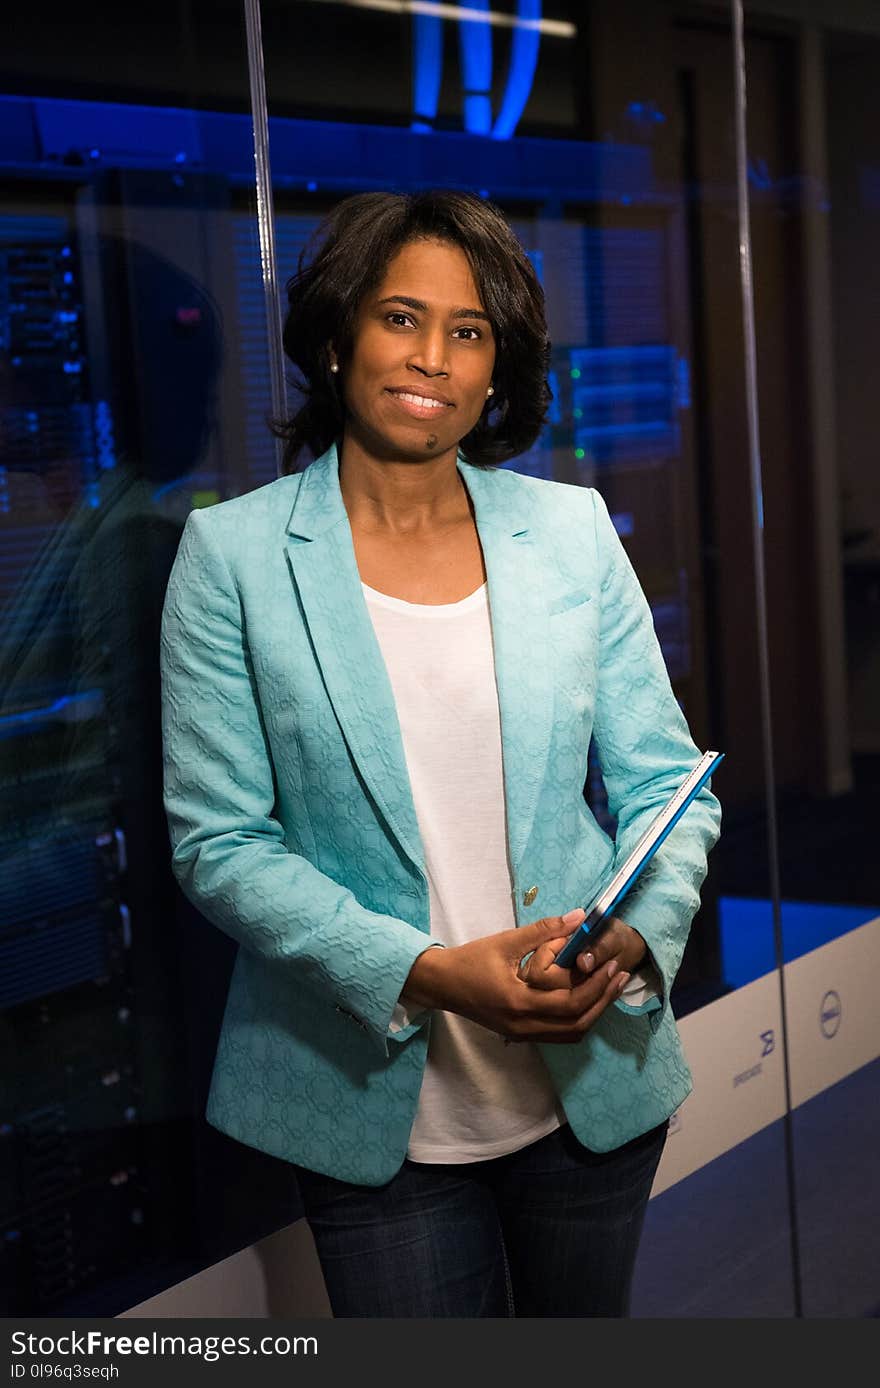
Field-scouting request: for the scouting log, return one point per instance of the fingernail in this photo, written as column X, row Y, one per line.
column 622, row 982
column 574, row 917
column 587, row 962
column 612, row 968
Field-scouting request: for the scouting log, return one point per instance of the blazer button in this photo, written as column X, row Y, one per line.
column 529, row 896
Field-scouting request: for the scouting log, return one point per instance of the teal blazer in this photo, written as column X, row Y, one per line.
column 292, row 822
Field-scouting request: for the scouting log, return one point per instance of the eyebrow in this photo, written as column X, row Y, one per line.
column 423, row 307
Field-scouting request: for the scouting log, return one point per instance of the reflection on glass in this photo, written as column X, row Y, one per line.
column 821, row 185
column 127, row 394
column 92, row 522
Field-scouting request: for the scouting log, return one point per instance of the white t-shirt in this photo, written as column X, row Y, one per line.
column 479, row 1098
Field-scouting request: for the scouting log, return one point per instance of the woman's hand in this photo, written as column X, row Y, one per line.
column 481, row 980
column 619, row 942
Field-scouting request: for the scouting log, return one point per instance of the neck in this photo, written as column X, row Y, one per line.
column 401, row 496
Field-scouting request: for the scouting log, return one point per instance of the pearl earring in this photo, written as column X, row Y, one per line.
column 334, row 366
column 491, row 390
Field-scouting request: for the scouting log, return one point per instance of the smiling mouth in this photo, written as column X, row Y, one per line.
column 421, row 406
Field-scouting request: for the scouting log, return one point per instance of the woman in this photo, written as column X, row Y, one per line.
column 381, row 676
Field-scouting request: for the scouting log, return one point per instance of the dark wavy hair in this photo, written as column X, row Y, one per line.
column 355, row 243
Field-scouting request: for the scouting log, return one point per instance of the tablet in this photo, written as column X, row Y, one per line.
column 599, row 913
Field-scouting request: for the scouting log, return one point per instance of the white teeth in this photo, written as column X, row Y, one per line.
column 418, row 399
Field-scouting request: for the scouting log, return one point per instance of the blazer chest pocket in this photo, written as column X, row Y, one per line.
column 566, row 601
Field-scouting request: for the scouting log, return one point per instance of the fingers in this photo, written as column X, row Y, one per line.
column 526, row 937
column 568, row 1030
column 540, row 970
column 618, row 942
column 511, row 983
column 561, row 1008
column 534, row 955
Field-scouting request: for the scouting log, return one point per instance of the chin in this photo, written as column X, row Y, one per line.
column 414, row 442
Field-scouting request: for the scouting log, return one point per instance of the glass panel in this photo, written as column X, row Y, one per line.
column 728, row 1136
column 823, row 543
column 133, row 377
column 606, row 136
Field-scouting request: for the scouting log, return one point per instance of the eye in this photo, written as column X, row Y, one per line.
column 397, row 313
column 476, row 331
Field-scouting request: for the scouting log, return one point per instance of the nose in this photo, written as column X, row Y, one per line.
column 428, row 355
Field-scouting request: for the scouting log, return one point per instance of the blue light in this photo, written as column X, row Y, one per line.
column 684, row 384
column 475, row 55
column 521, row 75
column 427, row 68
column 63, row 708
column 477, row 114
column 745, row 927
column 475, row 49
column 645, row 112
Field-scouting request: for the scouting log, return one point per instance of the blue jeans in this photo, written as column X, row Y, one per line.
column 550, row 1230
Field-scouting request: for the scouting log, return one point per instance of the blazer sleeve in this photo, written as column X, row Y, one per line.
column 228, row 851
column 645, row 751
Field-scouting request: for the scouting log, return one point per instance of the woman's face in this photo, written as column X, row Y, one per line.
column 422, row 356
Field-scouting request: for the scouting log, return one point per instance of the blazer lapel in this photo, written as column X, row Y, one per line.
column 325, row 570
column 520, row 637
